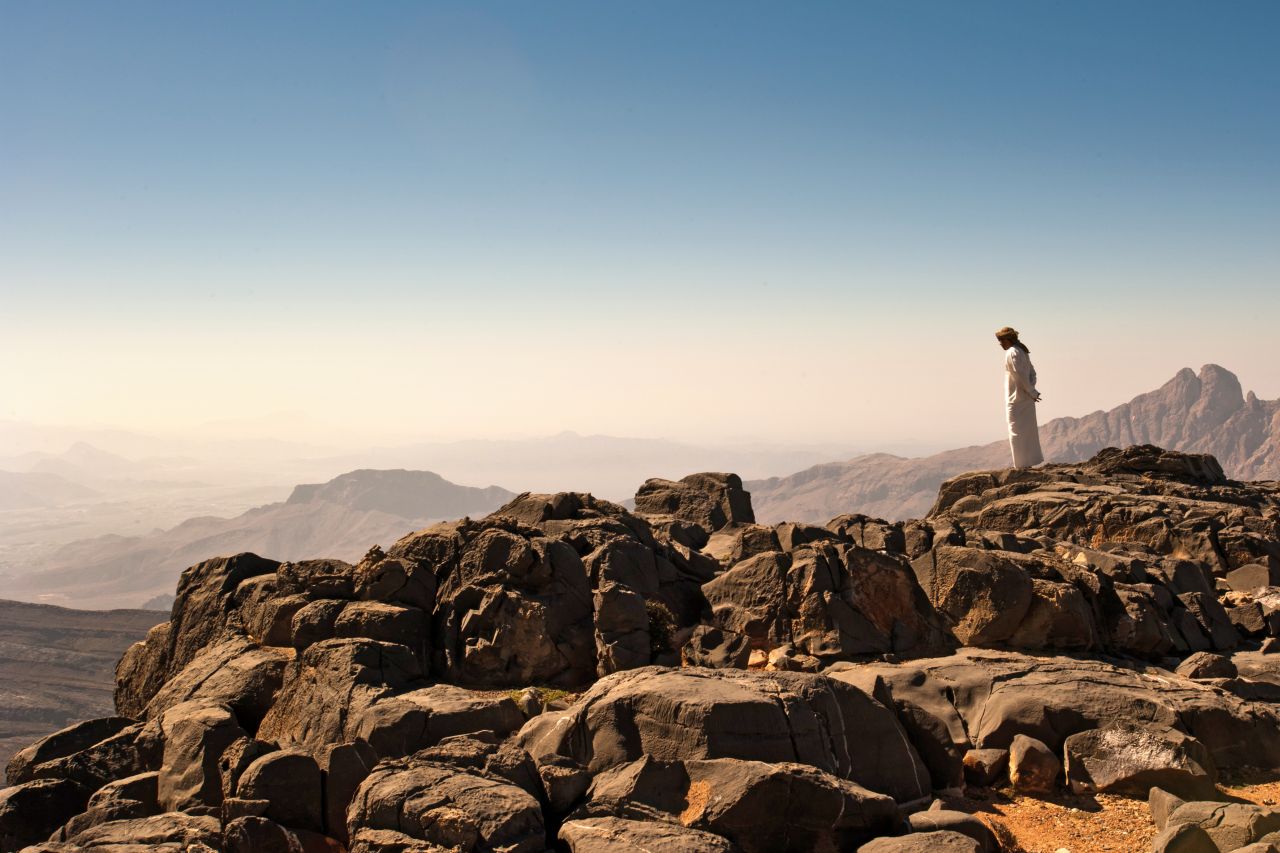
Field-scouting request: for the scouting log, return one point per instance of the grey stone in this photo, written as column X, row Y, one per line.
column 1132, row 759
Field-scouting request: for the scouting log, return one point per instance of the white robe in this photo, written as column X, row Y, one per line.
column 1020, row 395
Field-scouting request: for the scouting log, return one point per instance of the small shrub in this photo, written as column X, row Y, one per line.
column 661, row 628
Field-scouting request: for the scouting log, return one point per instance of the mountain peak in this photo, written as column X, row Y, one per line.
column 411, row 494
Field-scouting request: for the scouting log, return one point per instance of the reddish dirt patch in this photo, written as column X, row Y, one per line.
column 1081, row 824
column 1099, row 823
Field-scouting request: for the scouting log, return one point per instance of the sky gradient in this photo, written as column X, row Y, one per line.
column 705, row 221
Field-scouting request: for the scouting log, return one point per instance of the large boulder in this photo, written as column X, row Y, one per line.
column 168, row 831
column 31, row 811
column 748, row 599
column 831, row 601
column 344, row 766
column 710, row 501
column 757, row 806
column 204, row 613
column 623, row 639
column 195, row 735
column 328, row 687
column 436, row 803
column 620, row 835
column 322, row 578
column 1207, row 665
column 1230, row 825
column 513, row 605
column 984, row 767
column 716, row 648
column 258, row 834
column 124, row 799
column 122, row 754
column 1129, row 759
column 236, row 672
column 1058, row 618
column 984, row 698
column 738, row 542
column 289, row 780
column 25, row 763
column 940, row 749
column 943, row 841
column 695, row 714
column 403, row 724
column 982, row 595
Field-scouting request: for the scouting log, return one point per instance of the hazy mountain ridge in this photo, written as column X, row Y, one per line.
column 412, row 494
column 147, row 484
column 1205, row 413
column 341, row 518
column 605, row 465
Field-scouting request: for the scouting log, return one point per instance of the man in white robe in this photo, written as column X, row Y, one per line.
column 1021, row 397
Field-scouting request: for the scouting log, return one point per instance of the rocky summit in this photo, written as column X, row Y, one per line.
column 565, row 674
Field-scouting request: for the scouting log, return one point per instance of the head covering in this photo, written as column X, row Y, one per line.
column 1007, row 332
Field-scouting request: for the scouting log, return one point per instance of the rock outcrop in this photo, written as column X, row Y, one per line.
column 721, row 685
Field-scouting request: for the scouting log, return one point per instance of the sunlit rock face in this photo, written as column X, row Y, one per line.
column 565, row 671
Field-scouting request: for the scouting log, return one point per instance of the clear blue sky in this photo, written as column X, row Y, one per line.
column 720, row 205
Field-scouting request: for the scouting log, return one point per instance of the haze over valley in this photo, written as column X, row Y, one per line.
column 88, row 530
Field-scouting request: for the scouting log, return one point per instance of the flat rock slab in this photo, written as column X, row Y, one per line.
column 439, row 804
column 759, row 807
column 405, row 723
column 1230, row 825
column 985, row 697
column 1128, row 759
column 690, row 714
column 618, row 835
column 924, row 842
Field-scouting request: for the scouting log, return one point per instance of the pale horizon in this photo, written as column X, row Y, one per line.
column 711, row 224
column 306, row 434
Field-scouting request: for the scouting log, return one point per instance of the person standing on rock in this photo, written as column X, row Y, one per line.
column 1021, row 397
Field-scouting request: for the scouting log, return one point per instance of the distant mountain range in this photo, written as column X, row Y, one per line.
column 341, row 518
column 608, row 466
column 57, row 666
column 1205, row 413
